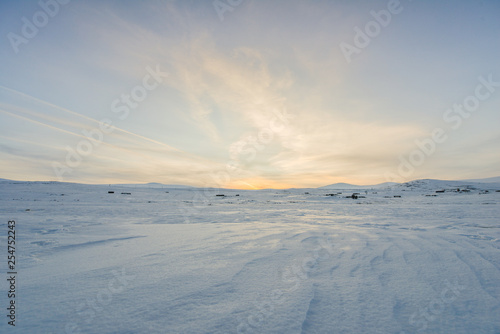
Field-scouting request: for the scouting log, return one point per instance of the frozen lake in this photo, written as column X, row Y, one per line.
column 162, row 260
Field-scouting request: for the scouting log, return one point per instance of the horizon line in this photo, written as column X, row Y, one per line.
column 478, row 180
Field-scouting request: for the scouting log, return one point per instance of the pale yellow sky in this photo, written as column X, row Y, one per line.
column 109, row 92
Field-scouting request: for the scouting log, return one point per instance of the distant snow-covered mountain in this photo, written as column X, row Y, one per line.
column 486, row 180
column 154, row 185
column 354, row 186
column 424, row 184
column 133, row 185
column 430, row 184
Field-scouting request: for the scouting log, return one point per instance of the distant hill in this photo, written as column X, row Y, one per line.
column 137, row 185
column 354, row 186
column 431, row 184
column 424, row 184
column 154, row 185
column 492, row 182
column 486, row 180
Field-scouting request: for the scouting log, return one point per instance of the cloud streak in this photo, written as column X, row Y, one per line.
column 227, row 80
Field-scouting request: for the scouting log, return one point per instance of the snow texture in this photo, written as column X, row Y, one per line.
column 183, row 260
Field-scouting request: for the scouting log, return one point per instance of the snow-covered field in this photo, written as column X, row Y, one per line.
column 164, row 260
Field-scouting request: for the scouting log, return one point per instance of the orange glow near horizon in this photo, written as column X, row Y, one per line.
column 263, row 183
column 258, row 183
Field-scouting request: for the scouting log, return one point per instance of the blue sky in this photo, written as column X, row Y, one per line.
column 251, row 94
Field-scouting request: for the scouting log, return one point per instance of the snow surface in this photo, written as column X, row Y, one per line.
column 164, row 260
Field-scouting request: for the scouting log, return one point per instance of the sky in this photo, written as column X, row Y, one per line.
column 249, row 94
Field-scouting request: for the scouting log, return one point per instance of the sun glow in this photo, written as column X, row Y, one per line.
column 258, row 183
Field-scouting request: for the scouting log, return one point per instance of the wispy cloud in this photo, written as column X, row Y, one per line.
column 227, row 80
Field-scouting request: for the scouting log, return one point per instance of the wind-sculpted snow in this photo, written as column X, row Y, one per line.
column 274, row 261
